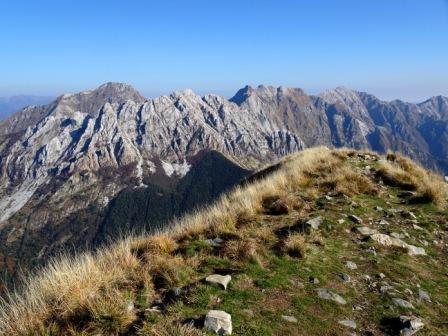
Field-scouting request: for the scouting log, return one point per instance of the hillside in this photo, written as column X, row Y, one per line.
column 70, row 170
column 327, row 242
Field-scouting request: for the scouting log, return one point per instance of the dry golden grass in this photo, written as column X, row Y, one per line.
column 401, row 172
column 69, row 284
column 169, row 328
column 295, row 245
column 242, row 250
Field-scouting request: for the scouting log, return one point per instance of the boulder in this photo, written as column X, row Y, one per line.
column 219, row 322
column 326, row 294
column 222, row 280
column 410, row 325
column 386, row 240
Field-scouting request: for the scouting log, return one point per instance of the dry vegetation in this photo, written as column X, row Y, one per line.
column 91, row 293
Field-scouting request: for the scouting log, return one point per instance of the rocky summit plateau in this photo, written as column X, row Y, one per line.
column 98, row 164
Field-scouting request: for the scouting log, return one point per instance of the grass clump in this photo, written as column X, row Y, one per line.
column 295, row 245
column 169, row 328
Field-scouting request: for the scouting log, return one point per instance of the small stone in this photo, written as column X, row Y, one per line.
column 402, row 303
column 366, row 277
column 423, row 296
column 365, row 231
column 348, row 323
column 407, row 193
column 314, row 280
column 409, row 215
column 386, row 288
column 326, row 294
column 222, row 280
column 341, row 221
column 378, row 208
column 417, row 227
column 371, row 250
column 446, row 179
column 415, row 251
column 219, row 322
column 313, row 223
column 355, row 219
column 217, row 242
column 351, row 265
column 382, row 222
column 343, row 277
column 328, row 198
column 381, row 275
column 290, row 319
column 130, row 306
column 408, row 291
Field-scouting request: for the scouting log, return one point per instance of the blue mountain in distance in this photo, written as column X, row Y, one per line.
column 9, row 105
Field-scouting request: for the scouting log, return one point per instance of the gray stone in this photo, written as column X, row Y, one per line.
column 415, row 251
column 290, row 319
column 423, row 296
column 402, row 303
column 218, row 279
column 351, row 265
column 348, row 323
column 341, row 221
column 343, row 277
column 409, row 215
column 378, row 208
column 355, row 219
column 365, row 231
column 326, row 294
column 219, row 322
column 382, row 222
column 314, row 280
column 313, row 223
column 371, row 250
column 446, row 179
column 217, row 242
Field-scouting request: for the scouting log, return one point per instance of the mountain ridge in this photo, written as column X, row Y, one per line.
column 80, row 151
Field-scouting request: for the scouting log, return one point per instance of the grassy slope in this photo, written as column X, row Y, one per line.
column 269, row 260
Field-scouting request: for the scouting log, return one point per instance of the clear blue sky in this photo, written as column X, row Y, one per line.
column 393, row 48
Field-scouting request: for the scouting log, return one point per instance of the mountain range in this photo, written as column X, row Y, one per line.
column 9, row 105
column 93, row 165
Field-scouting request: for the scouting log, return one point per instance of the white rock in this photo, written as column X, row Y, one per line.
column 402, row 303
column 348, row 323
column 219, row 322
column 218, row 279
column 290, row 319
column 329, row 295
column 351, row 265
column 365, row 231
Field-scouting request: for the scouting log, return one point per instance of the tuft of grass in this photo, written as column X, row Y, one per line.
column 169, row 328
column 295, row 245
column 401, row 172
column 242, row 250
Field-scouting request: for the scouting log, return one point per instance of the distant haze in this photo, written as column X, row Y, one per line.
column 13, row 104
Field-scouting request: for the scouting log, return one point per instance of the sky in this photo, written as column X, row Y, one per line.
column 391, row 48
